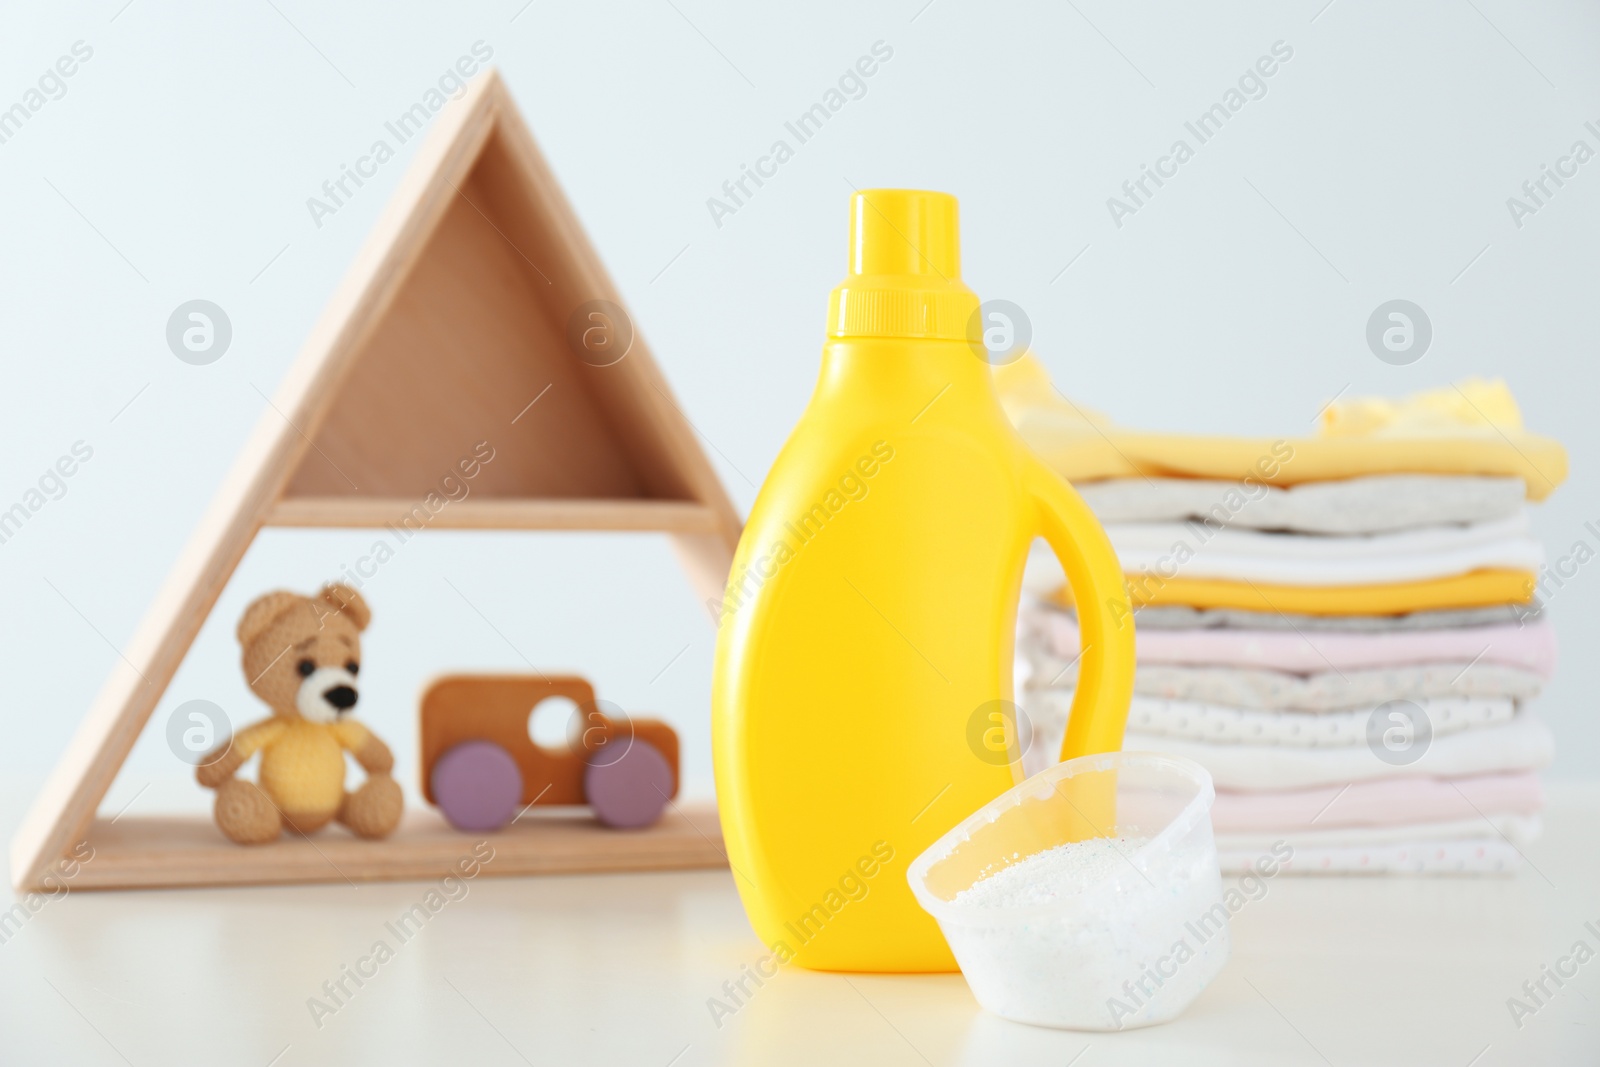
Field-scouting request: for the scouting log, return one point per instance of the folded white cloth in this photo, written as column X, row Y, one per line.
column 1218, row 723
column 1223, row 725
column 1494, row 826
column 1246, row 687
column 1197, row 551
column 1485, row 856
column 1332, row 690
column 1353, row 506
column 1524, row 743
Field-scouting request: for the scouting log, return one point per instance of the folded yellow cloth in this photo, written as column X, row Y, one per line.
column 1475, row 589
column 1473, row 427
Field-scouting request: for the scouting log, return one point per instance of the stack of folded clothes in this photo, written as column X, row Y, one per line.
column 1345, row 631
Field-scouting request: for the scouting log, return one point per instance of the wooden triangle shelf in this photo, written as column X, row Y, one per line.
column 460, row 327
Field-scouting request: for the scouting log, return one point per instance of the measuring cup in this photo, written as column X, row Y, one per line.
column 1122, row 927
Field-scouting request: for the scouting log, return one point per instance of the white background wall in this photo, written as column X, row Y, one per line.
column 178, row 163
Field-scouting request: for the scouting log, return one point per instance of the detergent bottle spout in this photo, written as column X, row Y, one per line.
column 904, row 274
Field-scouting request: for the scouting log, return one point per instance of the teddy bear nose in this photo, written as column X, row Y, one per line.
column 342, row 697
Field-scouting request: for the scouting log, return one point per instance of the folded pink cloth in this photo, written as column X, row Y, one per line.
column 1379, row 802
column 1531, row 647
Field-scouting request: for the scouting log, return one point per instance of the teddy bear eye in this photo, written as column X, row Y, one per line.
column 353, row 667
column 305, row 667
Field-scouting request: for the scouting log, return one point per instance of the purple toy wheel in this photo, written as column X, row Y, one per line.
column 477, row 786
column 630, row 791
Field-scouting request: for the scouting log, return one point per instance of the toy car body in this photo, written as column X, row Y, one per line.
column 481, row 767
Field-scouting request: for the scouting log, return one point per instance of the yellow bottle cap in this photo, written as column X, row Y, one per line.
column 904, row 277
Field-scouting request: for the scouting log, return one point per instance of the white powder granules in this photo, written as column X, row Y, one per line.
column 1052, row 874
column 1081, row 936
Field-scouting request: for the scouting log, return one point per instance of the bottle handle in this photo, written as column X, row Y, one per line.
column 1105, row 618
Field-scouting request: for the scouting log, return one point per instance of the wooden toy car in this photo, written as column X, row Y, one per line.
column 481, row 767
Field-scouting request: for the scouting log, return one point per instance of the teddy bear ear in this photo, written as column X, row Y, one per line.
column 347, row 602
column 263, row 612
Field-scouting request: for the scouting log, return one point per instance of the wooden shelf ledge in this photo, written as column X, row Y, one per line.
column 175, row 851
column 670, row 516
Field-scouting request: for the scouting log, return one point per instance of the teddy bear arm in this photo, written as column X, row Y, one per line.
column 241, row 747
column 373, row 755
column 216, row 771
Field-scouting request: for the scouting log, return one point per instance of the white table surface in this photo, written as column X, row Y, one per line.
column 618, row 969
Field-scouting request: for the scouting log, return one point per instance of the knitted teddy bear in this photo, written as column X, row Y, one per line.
column 301, row 656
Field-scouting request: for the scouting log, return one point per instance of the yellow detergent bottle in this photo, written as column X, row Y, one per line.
column 865, row 636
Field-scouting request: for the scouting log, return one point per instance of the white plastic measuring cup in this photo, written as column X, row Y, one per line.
column 1088, row 897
